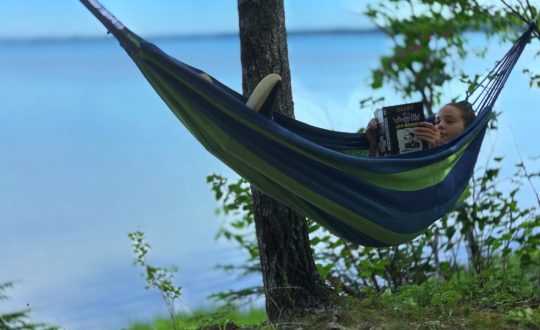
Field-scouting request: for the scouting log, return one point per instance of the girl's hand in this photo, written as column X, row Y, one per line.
column 371, row 136
column 429, row 133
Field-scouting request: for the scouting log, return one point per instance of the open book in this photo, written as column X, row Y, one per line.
column 396, row 128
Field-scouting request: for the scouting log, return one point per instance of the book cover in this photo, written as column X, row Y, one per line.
column 396, row 128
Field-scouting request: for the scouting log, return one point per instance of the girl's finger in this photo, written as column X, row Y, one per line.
column 427, row 124
column 421, row 130
column 426, row 127
column 426, row 137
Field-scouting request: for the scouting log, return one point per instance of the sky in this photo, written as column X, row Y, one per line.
column 31, row 19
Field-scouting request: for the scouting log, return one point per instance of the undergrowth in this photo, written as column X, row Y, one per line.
column 212, row 319
column 492, row 299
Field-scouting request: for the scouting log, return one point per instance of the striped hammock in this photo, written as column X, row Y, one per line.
column 378, row 201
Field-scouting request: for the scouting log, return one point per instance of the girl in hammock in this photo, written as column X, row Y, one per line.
column 450, row 122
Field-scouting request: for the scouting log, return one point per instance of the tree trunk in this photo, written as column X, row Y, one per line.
column 291, row 281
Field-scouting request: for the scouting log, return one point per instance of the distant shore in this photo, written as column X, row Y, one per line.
column 44, row 39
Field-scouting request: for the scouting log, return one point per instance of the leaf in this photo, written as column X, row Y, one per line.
column 525, row 260
column 324, row 271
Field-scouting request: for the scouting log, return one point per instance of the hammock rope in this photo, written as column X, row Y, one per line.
column 378, row 201
column 498, row 76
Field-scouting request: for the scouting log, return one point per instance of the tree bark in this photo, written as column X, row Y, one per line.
column 291, row 281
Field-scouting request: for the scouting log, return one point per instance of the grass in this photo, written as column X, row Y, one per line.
column 486, row 301
column 219, row 318
column 492, row 300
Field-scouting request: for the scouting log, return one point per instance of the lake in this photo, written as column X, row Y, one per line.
column 89, row 153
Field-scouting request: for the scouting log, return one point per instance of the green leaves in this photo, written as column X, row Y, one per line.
column 161, row 279
column 324, row 271
column 235, row 202
column 18, row 320
column 525, row 316
column 429, row 44
column 377, row 79
column 534, row 78
column 139, row 246
column 446, row 299
column 488, row 225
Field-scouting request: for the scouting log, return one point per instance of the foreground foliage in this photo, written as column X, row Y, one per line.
column 216, row 319
column 491, row 299
column 159, row 278
column 18, row 320
column 487, row 225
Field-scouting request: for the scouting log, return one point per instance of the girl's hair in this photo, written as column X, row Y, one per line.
column 466, row 110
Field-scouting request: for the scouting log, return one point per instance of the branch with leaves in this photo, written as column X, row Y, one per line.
column 159, row 278
column 429, row 44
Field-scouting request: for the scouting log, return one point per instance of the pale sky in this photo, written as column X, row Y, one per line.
column 30, row 19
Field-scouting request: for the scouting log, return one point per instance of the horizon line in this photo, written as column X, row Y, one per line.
column 211, row 35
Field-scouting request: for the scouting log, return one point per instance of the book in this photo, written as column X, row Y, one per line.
column 396, row 128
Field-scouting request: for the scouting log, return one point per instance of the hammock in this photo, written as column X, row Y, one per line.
column 378, row 201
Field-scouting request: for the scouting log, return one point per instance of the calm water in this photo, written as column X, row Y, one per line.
column 89, row 153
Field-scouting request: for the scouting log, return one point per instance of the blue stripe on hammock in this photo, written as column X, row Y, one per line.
column 338, row 184
column 388, row 164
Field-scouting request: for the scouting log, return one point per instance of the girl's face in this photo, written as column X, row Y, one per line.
column 449, row 122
